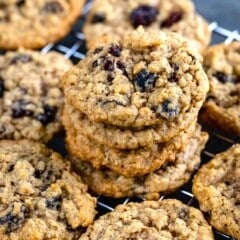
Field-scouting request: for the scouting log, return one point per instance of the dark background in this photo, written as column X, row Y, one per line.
column 225, row 12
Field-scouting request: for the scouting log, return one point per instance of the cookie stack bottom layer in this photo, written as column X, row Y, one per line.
column 170, row 176
column 127, row 162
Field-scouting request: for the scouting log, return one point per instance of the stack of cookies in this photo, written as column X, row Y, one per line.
column 130, row 114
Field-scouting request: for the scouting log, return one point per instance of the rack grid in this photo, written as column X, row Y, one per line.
column 73, row 47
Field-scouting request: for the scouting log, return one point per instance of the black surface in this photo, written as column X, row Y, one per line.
column 225, row 12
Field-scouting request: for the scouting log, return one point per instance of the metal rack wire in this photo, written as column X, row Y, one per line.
column 73, row 47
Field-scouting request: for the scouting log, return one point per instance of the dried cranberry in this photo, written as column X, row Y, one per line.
column 98, row 18
column 172, row 18
column 19, row 109
column 48, row 115
column 143, row 15
column 122, row 66
column 173, row 76
column 222, row 77
column 21, row 58
column 115, row 50
column 1, row 87
column 108, row 65
column 53, row 7
column 145, row 81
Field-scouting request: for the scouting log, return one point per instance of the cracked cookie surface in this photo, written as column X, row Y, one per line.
column 222, row 108
column 112, row 19
column 40, row 197
column 169, row 177
column 31, row 99
column 147, row 79
column 35, row 23
column 167, row 219
column 217, row 188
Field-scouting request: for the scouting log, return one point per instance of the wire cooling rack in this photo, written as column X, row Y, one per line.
column 73, row 47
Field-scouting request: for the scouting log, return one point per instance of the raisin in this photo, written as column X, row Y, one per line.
column 115, row 50
column 108, row 65
column 48, row 115
column 173, row 76
column 54, row 203
column 20, row 3
column 97, row 50
column 98, row 18
column 1, row 87
column 222, row 77
column 21, row 58
column 53, row 7
column 183, row 213
column 14, row 222
column 95, row 64
column 143, row 15
column 172, row 18
column 110, row 77
column 122, row 66
column 38, row 173
column 145, row 81
column 167, row 110
column 19, row 109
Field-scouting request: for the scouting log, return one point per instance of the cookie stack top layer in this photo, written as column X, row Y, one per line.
column 40, row 198
column 167, row 219
column 34, row 23
column 31, row 99
column 112, row 19
column 222, row 63
column 145, row 80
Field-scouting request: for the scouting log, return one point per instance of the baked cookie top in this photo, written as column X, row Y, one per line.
column 31, row 99
column 217, row 188
column 167, row 219
column 170, row 176
column 222, row 63
column 40, row 198
column 112, row 19
column 34, row 23
column 146, row 79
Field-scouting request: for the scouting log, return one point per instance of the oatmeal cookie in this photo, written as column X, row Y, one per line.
column 31, row 99
column 168, row 219
column 222, row 108
column 129, row 162
column 168, row 178
column 112, row 19
column 217, row 188
column 146, row 79
column 34, row 23
column 40, row 197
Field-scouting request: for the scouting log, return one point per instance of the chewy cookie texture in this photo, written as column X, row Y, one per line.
column 169, row 177
column 31, row 99
column 222, row 108
column 167, row 219
column 147, row 79
column 40, row 197
column 34, row 23
column 112, row 19
column 217, row 188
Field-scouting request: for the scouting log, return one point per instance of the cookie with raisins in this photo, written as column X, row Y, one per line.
column 35, row 23
column 222, row 108
column 217, row 188
column 40, row 197
column 166, row 219
column 115, row 18
column 31, row 99
column 147, row 79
